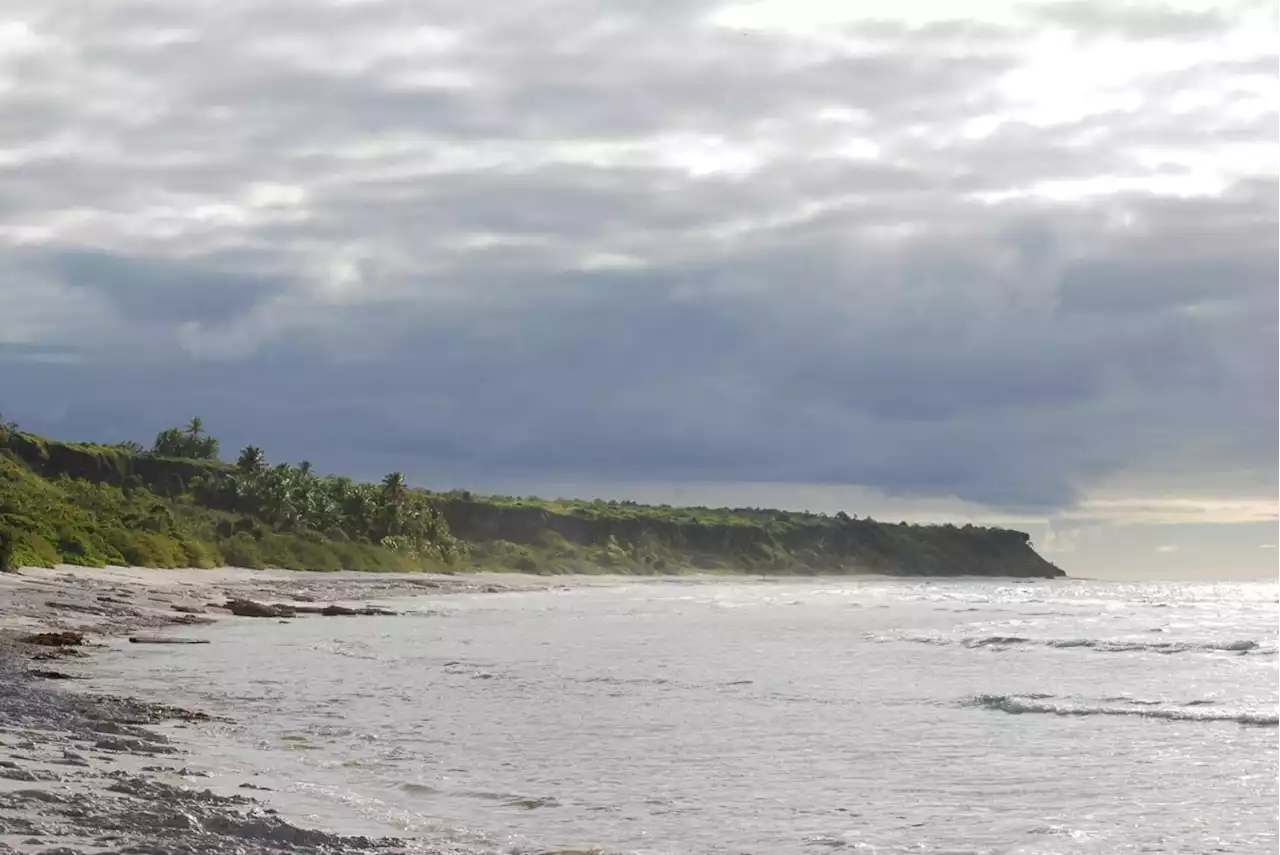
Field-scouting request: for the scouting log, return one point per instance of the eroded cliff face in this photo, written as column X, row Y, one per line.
column 565, row 536
column 165, row 476
column 772, row 542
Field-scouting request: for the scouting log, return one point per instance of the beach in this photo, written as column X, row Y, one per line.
column 87, row 773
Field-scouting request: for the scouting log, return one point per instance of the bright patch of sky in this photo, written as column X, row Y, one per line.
column 1065, row 77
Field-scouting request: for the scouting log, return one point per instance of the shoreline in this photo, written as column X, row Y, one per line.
column 85, row 773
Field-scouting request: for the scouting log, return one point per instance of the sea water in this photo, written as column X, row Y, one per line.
column 785, row 717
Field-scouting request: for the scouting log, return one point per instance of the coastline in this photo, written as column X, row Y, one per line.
column 83, row 772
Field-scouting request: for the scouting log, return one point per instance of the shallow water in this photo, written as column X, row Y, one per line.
column 785, row 718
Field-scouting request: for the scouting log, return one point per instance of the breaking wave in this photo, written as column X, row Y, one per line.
column 1241, row 646
column 1003, row 642
column 1193, row 711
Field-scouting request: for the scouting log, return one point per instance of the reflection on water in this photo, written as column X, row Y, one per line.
column 785, row 718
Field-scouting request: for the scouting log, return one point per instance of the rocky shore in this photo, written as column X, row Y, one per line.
column 84, row 773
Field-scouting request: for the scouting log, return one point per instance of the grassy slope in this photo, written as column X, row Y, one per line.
column 89, row 504
column 564, row 535
column 93, row 505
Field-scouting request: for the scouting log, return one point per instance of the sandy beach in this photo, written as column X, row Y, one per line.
column 84, row 773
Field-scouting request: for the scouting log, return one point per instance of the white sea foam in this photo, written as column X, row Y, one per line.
column 1017, row 705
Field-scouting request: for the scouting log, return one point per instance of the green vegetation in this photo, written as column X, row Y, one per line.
column 564, row 536
column 7, row 563
column 92, row 505
column 177, row 504
column 190, row 442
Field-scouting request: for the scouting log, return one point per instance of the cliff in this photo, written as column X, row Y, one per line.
column 46, row 507
column 662, row 539
column 104, row 464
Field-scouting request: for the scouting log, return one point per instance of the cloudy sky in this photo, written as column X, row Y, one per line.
column 919, row 260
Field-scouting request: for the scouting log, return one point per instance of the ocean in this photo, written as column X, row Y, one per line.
column 785, row 717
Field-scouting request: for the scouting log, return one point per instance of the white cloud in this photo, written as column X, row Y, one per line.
column 996, row 257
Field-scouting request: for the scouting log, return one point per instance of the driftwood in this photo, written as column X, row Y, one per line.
column 163, row 639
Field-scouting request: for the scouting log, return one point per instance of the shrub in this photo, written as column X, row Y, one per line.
column 198, row 553
column 32, row 550
column 149, row 549
column 241, row 550
column 7, row 548
column 297, row 552
column 77, row 547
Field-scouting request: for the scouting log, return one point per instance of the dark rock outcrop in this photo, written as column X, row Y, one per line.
column 368, row 611
column 249, row 608
column 46, row 674
column 65, row 638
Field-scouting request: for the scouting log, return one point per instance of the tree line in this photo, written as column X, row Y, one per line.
column 294, row 498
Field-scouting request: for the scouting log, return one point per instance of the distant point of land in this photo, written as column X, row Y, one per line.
column 177, row 504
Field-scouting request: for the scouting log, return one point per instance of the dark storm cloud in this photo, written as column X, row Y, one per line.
column 633, row 244
column 144, row 289
column 1152, row 285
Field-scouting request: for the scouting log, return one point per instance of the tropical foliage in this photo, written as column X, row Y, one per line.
column 191, row 442
column 251, row 514
column 178, row 504
column 294, row 499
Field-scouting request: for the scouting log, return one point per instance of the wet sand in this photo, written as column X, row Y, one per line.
column 84, row 773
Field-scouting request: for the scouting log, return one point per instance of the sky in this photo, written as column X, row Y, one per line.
column 1010, row 263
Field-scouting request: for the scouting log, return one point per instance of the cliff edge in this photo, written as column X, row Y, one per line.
column 92, row 504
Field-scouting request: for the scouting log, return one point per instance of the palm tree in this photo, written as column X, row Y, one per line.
column 357, row 505
column 392, row 494
column 304, row 468
column 393, row 485
column 274, row 489
column 251, row 460
column 195, row 427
